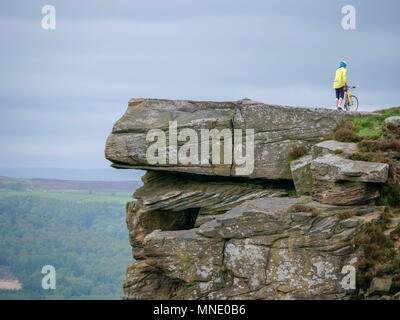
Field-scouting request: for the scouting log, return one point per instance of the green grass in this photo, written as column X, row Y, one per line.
column 378, row 143
column 371, row 126
column 74, row 196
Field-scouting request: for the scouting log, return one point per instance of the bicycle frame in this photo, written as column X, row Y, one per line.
column 350, row 101
column 349, row 97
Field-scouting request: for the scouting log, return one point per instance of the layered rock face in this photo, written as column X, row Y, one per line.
column 344, row 182
column 175, row 202
column 205, row 231
column 257, row 250
column 277, row 131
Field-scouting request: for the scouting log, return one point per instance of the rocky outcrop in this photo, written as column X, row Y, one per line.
column 394, row 120
column 334, row 168
column 342, row 181
column 261, row 249
column 331, row 178
column 174, row 202
column 203, row 228
column 277, row 131
column 380, row 285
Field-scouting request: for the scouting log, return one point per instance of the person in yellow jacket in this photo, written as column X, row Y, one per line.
column 340, row 83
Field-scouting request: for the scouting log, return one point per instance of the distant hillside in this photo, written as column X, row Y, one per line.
column 68, row 185
column 83, row 236
column 103, row 174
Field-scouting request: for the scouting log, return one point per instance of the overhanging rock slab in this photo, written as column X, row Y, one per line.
column 277, row 131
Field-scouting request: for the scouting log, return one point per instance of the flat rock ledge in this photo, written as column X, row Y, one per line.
column 335, row 168
column 277, row 131
column 330, row 177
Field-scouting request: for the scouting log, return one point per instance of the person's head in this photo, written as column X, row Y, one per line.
column 343, row 64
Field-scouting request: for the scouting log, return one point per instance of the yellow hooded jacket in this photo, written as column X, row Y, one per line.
column 340, row 78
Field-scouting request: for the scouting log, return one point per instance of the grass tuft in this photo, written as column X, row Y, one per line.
column 300, row 207
column 297, row 152
column 346, row 133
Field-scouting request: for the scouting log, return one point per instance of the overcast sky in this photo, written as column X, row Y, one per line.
column 62, row 90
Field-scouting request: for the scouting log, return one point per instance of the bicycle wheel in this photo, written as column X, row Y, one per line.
column 354, row 104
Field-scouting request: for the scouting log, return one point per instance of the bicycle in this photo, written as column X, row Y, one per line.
column 351, row 101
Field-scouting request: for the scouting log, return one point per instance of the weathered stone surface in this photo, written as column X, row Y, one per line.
column 301, row 175
column 174, row 202
column 277, row 129
column 396, row 296
column 253, row 221
column 344, row 193
column 332, row 179
column 261, row 249
column 335, row 168
column 343, row 149
column 393, row 120
column 127, row 145
column 184, row 255
column 379, row 285
column 141, row 222
column 208, row 231
column 340, row 181
column 143, row 281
